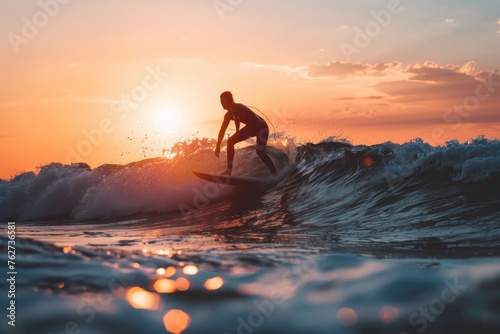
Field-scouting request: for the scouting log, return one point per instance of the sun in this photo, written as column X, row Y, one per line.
column 168, row 119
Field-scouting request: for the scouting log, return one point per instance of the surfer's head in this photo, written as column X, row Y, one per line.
column 226, row 99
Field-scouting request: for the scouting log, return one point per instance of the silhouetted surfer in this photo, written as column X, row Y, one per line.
column 254, row 126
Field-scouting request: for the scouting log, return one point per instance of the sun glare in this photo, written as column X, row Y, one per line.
column 168, row 119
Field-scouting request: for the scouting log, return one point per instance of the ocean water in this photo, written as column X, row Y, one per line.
column 386, row 238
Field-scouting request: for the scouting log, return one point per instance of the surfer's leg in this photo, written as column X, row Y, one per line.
column 262, row 137
column 244, row 134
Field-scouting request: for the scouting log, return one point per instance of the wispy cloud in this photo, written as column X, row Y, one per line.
column 391, row 94
column 432, row 82
column 340, row 69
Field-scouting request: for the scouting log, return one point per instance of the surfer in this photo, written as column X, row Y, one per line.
column 254, row 126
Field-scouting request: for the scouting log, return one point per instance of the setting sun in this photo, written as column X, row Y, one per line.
column 168, row 119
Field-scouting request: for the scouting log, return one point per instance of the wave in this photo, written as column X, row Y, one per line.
column 349, row 179
column 474, row 161
column 153, row 185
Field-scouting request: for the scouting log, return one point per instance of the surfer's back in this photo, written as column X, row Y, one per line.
column 246, row 115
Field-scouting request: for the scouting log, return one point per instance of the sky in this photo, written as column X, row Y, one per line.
column 101, row 81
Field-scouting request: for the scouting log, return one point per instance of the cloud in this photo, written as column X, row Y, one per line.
column 431, row 71
column 286, row 68
column 335, row 69
column 390, row 93
column 446, row 84
column 432, row 118
column 434, row 94
column 341, row 70
column 428, row 93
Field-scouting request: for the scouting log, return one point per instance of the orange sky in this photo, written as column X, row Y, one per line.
column 85, row 80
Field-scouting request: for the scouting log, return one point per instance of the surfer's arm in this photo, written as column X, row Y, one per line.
column 225, row 123
column 236, row 116
column 237, row 123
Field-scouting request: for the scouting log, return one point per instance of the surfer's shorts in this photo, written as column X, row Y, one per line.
column 262, row 134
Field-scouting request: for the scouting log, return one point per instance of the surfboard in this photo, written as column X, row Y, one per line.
column 240, row 181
